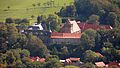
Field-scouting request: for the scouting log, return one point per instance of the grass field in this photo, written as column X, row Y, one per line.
column 25, row 8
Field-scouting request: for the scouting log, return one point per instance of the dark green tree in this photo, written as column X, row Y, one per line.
column 36, row 46
column 9, row 20
column 90, row 56
column 53, row 63
column 112, row 19
column 94, row 19
column 88, row 65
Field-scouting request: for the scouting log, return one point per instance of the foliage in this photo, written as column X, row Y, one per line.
column 9, row 20
column 36, row 46
column 94, row 19
column 71, row 66
column 94, row 11
column 90, row 56
column 88, row 39
column 52, row 22
column 53, row 63
column 69, row 11
column 88, row 65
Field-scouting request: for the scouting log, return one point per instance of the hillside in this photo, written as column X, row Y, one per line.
column 27, row 8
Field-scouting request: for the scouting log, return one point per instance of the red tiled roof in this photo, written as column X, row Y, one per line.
column 70, row 60
column 113, row 63
column 37, row 59
column 74, row 59
column 65, row 35
column 85, row 26
column 100, row 64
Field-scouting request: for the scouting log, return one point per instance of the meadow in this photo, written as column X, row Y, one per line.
column 28, row 8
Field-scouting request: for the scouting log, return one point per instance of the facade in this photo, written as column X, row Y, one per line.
column 67, row 38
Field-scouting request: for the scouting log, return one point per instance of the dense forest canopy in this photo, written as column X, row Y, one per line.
column 108, row 11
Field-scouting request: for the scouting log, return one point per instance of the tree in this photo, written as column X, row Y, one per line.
column 53, row 63
column 53, row 2
column 65, row 52
column 68, row 11
column 112, row 19
column 8, row 7
column 93, row 5
column 90, row 56
column 53, row 22
column 71, row 66
column 36, row 46
column 24, row 23
column 9, row 20
column 20, row 64
column 33, row 5
column 88, row 39
column 32, row 16
column 88, row 65
column 25, row 53
column 39, row 19
column 117, row 55
column 18, row 21
column 94, row 19
column 3, row 37
column 10, row 58
column 50, row 57
column 39, row 4
column 12, row 36
column 49, row 4
column 45, row 4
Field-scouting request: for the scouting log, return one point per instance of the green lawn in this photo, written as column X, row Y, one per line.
column 25, row 8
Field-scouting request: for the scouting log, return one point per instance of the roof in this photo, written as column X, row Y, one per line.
column 62, row 61
column 37, row 59
column 75, row 27
column 74, row 59
column 65, row 35
column 35, row 27
column 100, row 64
column 114, row 63
column 85, row 26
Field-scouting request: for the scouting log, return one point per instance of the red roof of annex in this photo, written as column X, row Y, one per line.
column 65, row 35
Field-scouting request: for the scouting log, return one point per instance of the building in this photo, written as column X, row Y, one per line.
column 70, row 33
column 68, row 38
column 84, row 26
column 113, row 64
column 73, row 61
column 100, row 64
column 35, row 27
column 70, row 26
column 33, row 59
